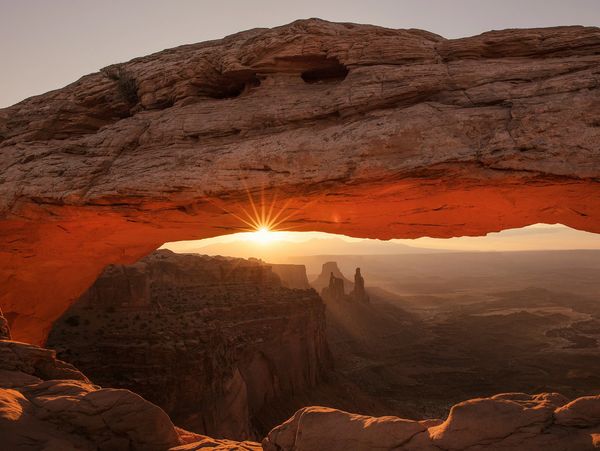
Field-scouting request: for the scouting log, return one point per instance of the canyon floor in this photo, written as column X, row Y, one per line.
column 455, row 326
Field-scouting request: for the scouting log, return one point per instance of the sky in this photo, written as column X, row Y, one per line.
column 46, row 44
column 279, row 247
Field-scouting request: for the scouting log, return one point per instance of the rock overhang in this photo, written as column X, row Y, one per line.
column 355, row 129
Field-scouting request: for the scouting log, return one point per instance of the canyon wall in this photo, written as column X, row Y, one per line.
column 343, row 128
column 217, row 342
column 292, row 276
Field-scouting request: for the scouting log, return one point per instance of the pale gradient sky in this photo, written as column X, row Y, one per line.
column 47, row 44
column 279, row 246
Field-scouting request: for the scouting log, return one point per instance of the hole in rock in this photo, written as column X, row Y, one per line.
column 232, row 84
column 324, row 70
column 230, row 335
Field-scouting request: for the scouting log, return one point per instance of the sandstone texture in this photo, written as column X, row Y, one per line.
column 345, row 128
column 217, row 342
column 4, row 330
column 511, row 421
column 48, row 404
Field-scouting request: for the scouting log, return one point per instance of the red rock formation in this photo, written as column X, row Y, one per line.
column 327, row 270
column 292, row 276
column 543, row 422
column 216, row 342
column 358, row 294
column 4, row 330
column 48, row 404
column 358, row 129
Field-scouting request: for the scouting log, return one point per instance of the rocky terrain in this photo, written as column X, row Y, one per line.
column 217, row 342
column 466, row 325
column 48, row 404
column 410, row 135
column 510, row 421
column 345, row 128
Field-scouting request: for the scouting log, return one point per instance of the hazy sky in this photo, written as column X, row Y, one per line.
column 277, row 247
column 46, row 44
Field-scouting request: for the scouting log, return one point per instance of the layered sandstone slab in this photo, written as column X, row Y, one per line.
column 347, row 128
column 542, row 422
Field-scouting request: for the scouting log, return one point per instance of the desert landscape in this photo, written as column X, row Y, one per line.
column 320, row 236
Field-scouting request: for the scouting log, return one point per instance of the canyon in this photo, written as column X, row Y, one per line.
column 186, row 331
column 344, row 128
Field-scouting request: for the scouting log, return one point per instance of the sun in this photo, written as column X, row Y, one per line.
column 263, row 235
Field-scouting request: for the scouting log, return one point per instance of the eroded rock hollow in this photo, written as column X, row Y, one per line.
column 347, row 128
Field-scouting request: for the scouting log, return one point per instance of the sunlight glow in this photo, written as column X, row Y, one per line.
column 263, row 235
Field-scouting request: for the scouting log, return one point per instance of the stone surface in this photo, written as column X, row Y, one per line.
column 216, row 342
column 324, row 278
column 348, row 128
column 47, row 404
column 292, row 276
column 506, row 421
column 4, row 330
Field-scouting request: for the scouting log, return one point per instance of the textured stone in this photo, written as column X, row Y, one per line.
column 322, row 428
column 503, row 422
column 582, row 412
column 216, row 342
column 47, row 404
column 353, row 129
column 4, row 330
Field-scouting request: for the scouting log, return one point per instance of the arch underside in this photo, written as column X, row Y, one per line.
column 411, row 135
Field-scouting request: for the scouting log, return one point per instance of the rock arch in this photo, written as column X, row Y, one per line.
column 401, row 133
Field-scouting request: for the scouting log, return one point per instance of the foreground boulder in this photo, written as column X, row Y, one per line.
column 47, row 404
column 543, row 422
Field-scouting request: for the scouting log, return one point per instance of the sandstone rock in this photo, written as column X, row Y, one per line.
column 487, row 420
column 359, row 294
column 292, row 276
column 508, row 421
column 321, row 428
column 47, row 404
column 324, row 277
column 582, row 412
column 216, row 342
column 210, row 444
column 4, row 330
column 410, row 135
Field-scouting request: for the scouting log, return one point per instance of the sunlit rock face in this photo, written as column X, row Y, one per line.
column 217, row 342
column 540, row 422
column 48, row 404
column 355, row 129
